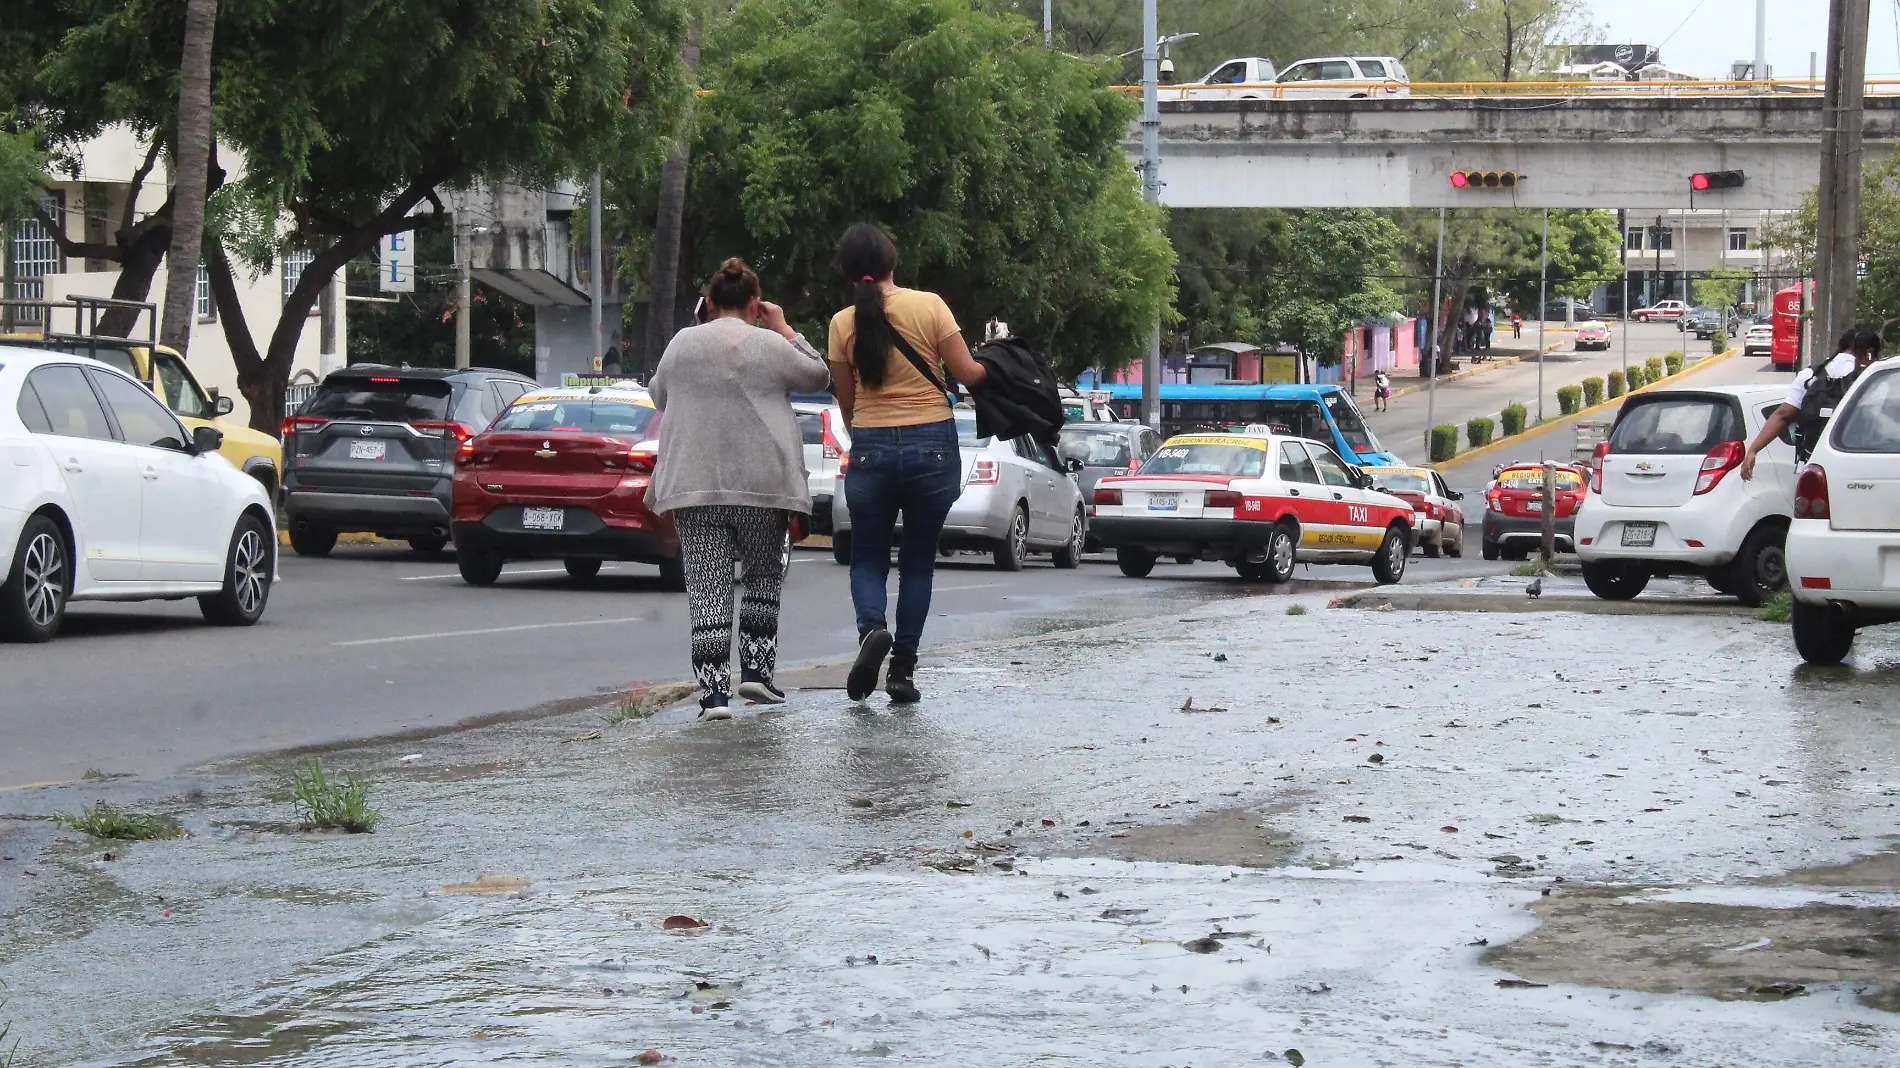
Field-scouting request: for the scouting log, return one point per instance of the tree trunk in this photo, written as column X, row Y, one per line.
column 191, row 159
column 664, row 282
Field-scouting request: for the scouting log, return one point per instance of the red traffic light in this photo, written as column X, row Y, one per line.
column 1704, row 181
column 1460, row 179
column 1698, row 182
column 1485, row 179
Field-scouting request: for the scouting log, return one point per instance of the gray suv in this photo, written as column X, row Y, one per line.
column 374, row 450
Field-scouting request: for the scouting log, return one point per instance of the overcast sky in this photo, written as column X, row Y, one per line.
column 1704, row 36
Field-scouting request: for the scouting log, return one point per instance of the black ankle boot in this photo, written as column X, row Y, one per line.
column 899, row 681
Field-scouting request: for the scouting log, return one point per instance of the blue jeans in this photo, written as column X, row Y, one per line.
column 915, row 471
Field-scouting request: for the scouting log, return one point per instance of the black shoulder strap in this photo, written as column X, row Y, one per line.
column 918, row 362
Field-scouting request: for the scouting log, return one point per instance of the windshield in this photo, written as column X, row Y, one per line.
column 1106, row 448
column 1872, row 424
column 582, row 414
column 1400, row 481
column 1351, row 425
column 1533, row 478
column 393, row 400
column 1208, row 456
column 1676, row 425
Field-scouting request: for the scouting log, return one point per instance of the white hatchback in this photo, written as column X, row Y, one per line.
column 110, row 498
column 1844, row 544
column 1667, row 496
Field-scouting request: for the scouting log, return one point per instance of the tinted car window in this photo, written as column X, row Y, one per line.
column 183, row 393
column 1351, row 425
column 1106, row 448
column 1676, row 425
column 72, row 410
column 142, row 419
column 584, row 414
column 1228, row 75
column 1336, row 71
column 1331, row 471
column 1872, row 422
column 1401, row 482
column 1206, row 459
column 1295, row 465
column 32, row 413
column 116, row 358
column 811, row 428
column 1372, row 68
column 386, row 400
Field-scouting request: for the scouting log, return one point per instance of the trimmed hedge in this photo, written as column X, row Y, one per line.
column 1672, row 363
column 1478, row 431
column 1444, row 442
column 1652, row 368
column 1635, row 377
column 1593, row 392
column 1570, row 399
column 1513, row 417
column 1617, row 387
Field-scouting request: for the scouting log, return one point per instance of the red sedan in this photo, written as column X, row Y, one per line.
column 1514, row 510
column 563, row 474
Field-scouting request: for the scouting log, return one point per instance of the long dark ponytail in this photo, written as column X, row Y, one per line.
column 865, row 258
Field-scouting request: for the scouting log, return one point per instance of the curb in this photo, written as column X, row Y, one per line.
column 1378, row 601
column 1485, row 450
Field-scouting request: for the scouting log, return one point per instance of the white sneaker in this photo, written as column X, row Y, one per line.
column 714, row 708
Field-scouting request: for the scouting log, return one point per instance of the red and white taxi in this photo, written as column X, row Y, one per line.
column 1258, row 500
column 1437, row 517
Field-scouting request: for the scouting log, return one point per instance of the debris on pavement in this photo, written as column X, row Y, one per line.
column 682, row 923
column 490, row 883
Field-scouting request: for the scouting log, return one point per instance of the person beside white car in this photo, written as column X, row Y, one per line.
column 109, row 498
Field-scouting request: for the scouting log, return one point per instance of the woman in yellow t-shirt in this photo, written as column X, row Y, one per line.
column 904, row 456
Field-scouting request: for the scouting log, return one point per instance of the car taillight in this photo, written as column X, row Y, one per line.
column 1596, row 466
column 1223, row 499
column 1105, row 495
column 1810, row 493
column 1494, row 500
column 985, row 473
column 294, row 423
column 1720, row 461
column 465, row 453
column 833, row 451
column 458, row 431
column 641, row 460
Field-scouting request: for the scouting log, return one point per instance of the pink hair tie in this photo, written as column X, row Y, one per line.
column 868, row 278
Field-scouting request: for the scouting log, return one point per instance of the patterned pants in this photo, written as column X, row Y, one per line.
column 712, row 539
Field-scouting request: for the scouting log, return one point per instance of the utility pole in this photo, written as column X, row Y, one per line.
column 1761, row 41
column 1655, row 241
column 462, row 286
column 1837, row 237
column 1623, row 262
column 1048, row 23
column 596, row 283
column 1431, row 377
column 1543, row 312
column 1151, row 188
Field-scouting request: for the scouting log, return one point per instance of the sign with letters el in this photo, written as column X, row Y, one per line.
column 396, row 268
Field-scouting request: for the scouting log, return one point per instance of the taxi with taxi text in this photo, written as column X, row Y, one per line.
column 1256, row 499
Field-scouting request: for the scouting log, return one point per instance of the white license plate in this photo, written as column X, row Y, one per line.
column 1535, row 504
column 368, row 450
column 1164, row 502
column 544, row 518
column 1639, row 535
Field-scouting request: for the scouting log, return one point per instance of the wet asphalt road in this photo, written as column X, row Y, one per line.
column 376, row 640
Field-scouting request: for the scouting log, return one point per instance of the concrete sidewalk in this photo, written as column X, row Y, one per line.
column 1207, row 838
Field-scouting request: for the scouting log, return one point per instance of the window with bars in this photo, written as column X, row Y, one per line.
column 295, row 260
column 1738, row 239
column 35, row 255
column 1633, row 240
column 207, row 307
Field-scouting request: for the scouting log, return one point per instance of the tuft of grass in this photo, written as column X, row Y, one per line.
column 626, row 712
column 1779, row 609
column 332, row 804
column 110, row 821
column 1296, row 610
column 1531, row 568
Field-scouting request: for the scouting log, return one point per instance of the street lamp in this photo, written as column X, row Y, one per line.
column 1151, row 45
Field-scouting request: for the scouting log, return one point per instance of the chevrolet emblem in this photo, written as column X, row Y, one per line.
column 546, row 450
column 1644, row 466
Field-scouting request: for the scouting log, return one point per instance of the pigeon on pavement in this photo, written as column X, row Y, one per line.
column 1536, row 588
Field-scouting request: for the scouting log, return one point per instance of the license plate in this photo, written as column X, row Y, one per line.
column 1534, row 505
column 1164, row 502
column 544, row 518
column 368, row 450
column 1639, row 535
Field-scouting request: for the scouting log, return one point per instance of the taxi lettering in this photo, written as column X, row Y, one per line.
column 1358, row 513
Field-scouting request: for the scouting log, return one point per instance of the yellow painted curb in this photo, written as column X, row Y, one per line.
column 1485, row 450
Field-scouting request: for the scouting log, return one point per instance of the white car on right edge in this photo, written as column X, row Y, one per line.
column 1844, row 544
column 1667, row 496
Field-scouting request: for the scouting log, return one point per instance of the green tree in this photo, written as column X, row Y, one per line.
column 22, row 170
column 995, row 163
column 1294, row 277
column 1720, row 288
column 1878, row 297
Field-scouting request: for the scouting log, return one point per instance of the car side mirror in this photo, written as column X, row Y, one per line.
column 1071, row 464
column 1456, row 495
column 222, row 405
column 206, row 439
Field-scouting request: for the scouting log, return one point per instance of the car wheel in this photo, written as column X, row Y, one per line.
column 1070, row 555
column 1760, row 570
column 1135, row 563
column 479, row 567
column 841, row 547
column 1252, row 570
column 428, row 546
column 33, row 597
column 1489, row 549
column 1432, row 547
column 1455, row 549
column 1014, row 548
column 1615, row 580
column 1718, row 580
column 1394, row 552
column 1282, row 552
column 581, row 570
column 247, row 576
column 312, row 541
column 673, row 575
column 1822, row 635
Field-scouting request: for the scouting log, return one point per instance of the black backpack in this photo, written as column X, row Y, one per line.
column 1021, row 394
column 1824, row 395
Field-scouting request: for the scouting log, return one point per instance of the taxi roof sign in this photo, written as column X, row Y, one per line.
column 1258, row 428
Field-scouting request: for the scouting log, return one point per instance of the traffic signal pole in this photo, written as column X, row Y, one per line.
column 1431, row 379
column 1151, row 189
column 1543, row 311
column 1837, row 237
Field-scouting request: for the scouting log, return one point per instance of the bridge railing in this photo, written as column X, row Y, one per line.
column 1387, row 90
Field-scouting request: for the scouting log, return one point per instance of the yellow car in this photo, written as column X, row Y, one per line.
column 164, row 372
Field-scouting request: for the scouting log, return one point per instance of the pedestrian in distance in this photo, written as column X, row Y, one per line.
column 731, row 471
column 1517, row 325
column 1812, row 398
column 1381, row 391
column 892, row 353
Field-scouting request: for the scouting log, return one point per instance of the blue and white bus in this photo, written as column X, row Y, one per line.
column 1323, row 413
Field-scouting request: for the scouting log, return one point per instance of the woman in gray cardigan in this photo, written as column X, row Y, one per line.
column 731, row 470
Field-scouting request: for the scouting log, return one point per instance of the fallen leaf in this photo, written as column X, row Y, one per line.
column 1779, row 990
column 1449, row 829
column 1204, row 944
column 682, row 923
column 1294, row 1057
column 1376, row 758
column 1358, row 819
column 1521, row 984
column 1548, row 818
column 652, row 1056
column 1048, row 823
column 956, row 804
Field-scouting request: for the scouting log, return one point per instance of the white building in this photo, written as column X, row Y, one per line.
column 90, row 203
column 1664, row 252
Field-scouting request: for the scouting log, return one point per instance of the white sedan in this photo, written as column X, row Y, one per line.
column 1844, row 543
column 110, row 498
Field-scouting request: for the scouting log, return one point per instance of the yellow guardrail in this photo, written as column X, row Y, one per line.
column 1387, row 90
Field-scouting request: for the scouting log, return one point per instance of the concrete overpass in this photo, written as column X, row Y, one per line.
column 1627, row 151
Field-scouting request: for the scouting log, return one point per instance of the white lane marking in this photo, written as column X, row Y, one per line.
column 487, row 630
column 504, row 574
